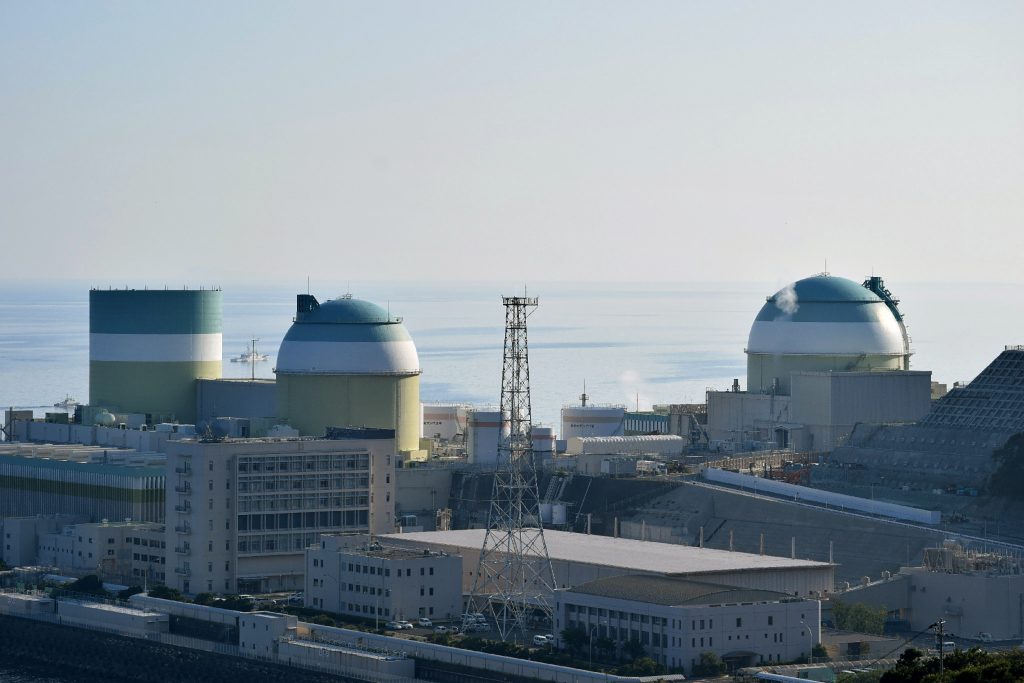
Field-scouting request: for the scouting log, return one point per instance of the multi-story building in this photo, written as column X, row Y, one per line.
column 240, row 512
column 677, row 620
column 124, row 552
column 354, row 575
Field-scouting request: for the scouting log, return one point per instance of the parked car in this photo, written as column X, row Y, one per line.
column 393, row 626
column 478, row 627
column 297, row 600
column 424, row 622
column 440, row 629
column 405, row 624
column 540, row 641
column 985, row 637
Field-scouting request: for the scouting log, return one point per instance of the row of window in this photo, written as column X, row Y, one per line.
column 299, row 463
column 303, row 483
column 308, row 501
column 304, row 520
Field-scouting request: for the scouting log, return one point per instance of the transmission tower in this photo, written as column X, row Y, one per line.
column 514, row 578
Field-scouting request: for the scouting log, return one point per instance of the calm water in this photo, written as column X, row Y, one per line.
column 646, row 343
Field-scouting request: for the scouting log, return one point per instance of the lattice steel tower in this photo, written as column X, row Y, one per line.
column 514, row 579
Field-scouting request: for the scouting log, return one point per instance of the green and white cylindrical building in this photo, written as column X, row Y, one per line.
column 349, row 363
column 148, row 347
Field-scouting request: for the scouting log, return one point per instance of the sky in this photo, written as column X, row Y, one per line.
column 479, row 140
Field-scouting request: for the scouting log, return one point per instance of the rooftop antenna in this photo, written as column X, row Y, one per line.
column 583, row 396
column 307, row 285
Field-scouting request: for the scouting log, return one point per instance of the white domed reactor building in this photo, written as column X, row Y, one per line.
column 823, row 354
column 349, row 363
column 825, row 324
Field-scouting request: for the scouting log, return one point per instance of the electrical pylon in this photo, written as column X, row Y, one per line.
column 514, row 579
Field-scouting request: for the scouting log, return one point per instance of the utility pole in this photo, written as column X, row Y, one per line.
column 514, row 578
column 939, row 642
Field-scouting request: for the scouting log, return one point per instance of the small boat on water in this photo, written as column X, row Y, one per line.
column 68, row 403
column 250, row 355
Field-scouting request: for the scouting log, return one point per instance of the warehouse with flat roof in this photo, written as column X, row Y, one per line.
column 580, row 558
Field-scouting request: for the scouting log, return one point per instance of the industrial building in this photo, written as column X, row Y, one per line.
column 676, row 620
column 976, row 591
column 240, row 513
column 824, row 354
column 579, row 558
column 90, row 482
column 349, row 363
column 951, row 445
column 485, row 429
column 357, row 576
column 148, row 347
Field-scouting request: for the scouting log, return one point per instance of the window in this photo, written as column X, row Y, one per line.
column 431, row 571
column 739, row 622
column 771, row 620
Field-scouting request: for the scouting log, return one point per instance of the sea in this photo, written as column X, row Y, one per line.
column 634, row 343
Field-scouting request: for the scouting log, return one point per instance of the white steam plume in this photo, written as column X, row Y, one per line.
column 786, row 300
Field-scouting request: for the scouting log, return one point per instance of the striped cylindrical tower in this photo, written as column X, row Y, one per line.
column 147, row 348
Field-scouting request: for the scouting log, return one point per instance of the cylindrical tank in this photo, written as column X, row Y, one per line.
column 543, row 439
column 484, row 432
column 349, row 363
column 559, row 514
column 824, row 324
column 148, row 347
column 545, row 512
column 592, row 421
column 444, row 421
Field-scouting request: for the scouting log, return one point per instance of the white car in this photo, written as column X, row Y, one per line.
column 393, row 626
column 440, row 629
column 424, row 622
column 540, row 641
column 405, row 624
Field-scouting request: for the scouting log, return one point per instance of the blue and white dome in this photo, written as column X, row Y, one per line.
column 346, row 336
column 827, row 316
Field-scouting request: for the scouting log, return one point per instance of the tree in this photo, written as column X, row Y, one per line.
column 710, row 664
column 634, row 649
column 970, row 666
column 575, row 638
column 605, row 647
column 129, row 592
column 641, row 666
column 90, row 584
column 859, row 618
column 322, row 620
column 166, row 593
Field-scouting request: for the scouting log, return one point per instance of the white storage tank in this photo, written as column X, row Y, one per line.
column 444, row 421
column 592, row 421
column 484, row 432
column 559, row 514
column 543, row 438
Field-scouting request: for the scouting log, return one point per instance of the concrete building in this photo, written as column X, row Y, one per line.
column 129, row 553
column 353, row 575
column 974, row 592
column 349, row 363
column 240, row 513
column 823, row 355
column 93, row 483
column 245, row 398
column 20, row 547
column 676, row 620
column 580, row 558
column 147, row 348
column 646, row 444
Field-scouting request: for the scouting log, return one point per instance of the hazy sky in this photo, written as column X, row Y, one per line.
column 205, row 142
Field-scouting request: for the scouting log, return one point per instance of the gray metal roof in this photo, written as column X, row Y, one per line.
column 660, row 590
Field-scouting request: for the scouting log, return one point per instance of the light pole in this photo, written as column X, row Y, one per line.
column 810, row 637
column 593, row 629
